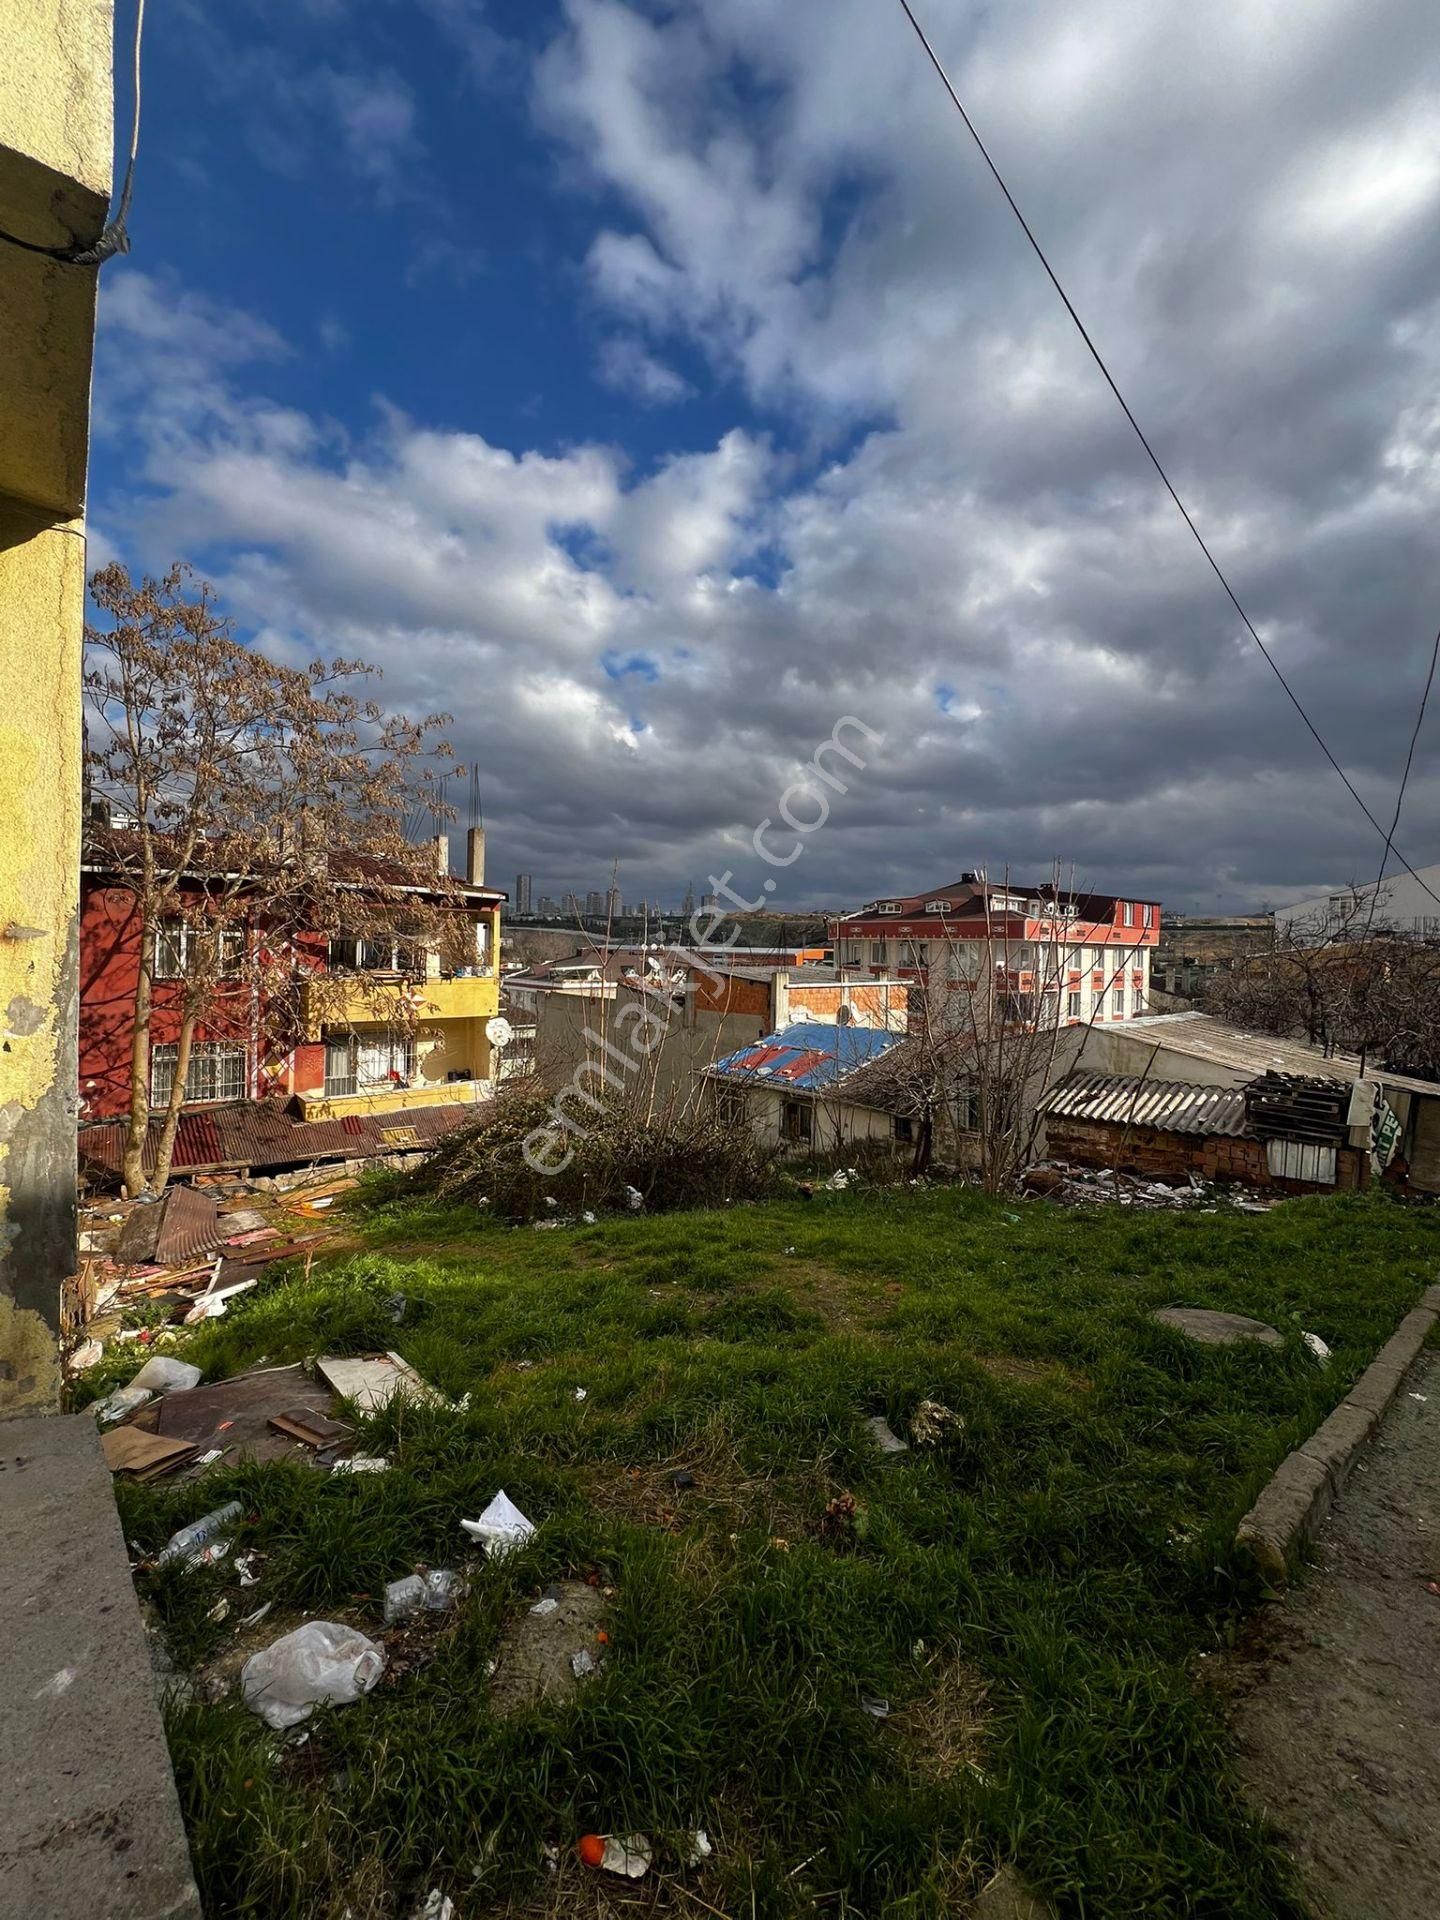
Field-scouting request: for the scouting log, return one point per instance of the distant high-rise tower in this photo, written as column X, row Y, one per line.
column 522, row 892
column 687, row 905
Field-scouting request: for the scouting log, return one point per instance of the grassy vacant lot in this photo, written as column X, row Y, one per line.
column 1033, row 1598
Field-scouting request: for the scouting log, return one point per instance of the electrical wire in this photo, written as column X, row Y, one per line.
column 114, row 237
column 1165, row 479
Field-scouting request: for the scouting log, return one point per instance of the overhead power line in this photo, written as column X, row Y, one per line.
column 114, row 238
column 1404, row 782
column 1154, row 458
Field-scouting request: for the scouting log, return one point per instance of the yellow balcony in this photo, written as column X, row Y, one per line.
column 387, row 999
column 444, row 1093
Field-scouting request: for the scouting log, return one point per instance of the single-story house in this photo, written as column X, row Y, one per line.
column 815, row 1088
column 1389, row 1117
column 1278, row 1131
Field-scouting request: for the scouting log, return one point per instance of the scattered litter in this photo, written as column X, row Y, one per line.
column 209, row 1459
column 501, row 1528
column 320, row 1661
column 163, row 1373
column 581, row 1394
column 524, row 1366
column 629, row 1854
column 840, row 1179
column 1317, row 1346
column 634, row 1200
column 219, row 1611
column 547, row 1605
column 373, row 1383
column 1421, row 1397
column 876, row 1705
column 885, row 1436
column 932, row 1422
column 588, row 1217
column 123, row 1400
column 435, row 1906
column 429, row 1592
column 190, row 1541
column 247, row 1566
column 583, row 1663
column 694, row 1848
column 551, row 1856
column 254, row 1619
column 212, row 1304
column 246, row 1220
column 88, row 1354
column 789, row 1249
column 360, row 1463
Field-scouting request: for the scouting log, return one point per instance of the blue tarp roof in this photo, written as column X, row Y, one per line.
column 812, row 1055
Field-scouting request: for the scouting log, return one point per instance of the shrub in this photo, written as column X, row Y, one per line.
column 677, row 1158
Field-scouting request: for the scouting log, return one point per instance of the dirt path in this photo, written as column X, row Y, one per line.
column 1336, row 1714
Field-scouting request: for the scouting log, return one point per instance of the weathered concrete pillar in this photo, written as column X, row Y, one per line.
column 55, row 141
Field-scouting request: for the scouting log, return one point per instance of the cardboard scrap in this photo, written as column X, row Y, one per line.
column 144, row 1456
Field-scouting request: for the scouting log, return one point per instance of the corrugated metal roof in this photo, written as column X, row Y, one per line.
column 1203, row 1037
column 812, row 1055
column 254, row 1134
column 1128, row 1099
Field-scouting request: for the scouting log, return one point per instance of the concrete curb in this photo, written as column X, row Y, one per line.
column 1299, row 1494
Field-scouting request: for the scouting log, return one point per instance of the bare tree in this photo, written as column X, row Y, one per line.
column 989, row 1027
column 1344, row 984
column 256, row 812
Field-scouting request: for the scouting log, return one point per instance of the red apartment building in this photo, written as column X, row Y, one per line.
column 1068, row 956
column 339, row 1063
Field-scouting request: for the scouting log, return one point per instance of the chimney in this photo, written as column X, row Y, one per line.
column 442, row 855
column 475, row 857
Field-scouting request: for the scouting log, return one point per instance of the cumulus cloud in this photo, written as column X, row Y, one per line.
column 943, row 525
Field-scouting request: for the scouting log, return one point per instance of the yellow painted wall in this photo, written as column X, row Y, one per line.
column 55, row 93
column 55, row 141
column 42, row 599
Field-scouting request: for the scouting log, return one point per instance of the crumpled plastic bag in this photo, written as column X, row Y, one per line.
column 163, row 1373
column 501, row 1528
column 319, row 1662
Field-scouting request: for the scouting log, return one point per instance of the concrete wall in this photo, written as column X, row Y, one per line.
column 55, row 137
column 686, row 1040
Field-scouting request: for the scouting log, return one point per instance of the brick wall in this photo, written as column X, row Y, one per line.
column 1154, row 1154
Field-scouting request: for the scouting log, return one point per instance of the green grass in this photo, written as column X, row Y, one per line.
column 1065, row 1562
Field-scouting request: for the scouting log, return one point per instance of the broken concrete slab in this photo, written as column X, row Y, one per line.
column 535, row 1655
column 90, row 1822
column 885, row 1436
column 234, row 1415
column 1217, row 1329
column 373, row 1381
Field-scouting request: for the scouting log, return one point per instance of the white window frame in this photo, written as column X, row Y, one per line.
column 368, row 1062
column 1072, row 1003
column 174, row 939
column 802, row 1133
column 219, row 1072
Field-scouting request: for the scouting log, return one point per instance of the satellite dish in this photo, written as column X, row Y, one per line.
column 844, row 1014
column 498, row 1030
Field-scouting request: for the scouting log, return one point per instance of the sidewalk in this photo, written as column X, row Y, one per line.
column 1336, row 1718
column 90, row 1826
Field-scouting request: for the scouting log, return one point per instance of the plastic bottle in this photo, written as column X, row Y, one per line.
column 190, row 1539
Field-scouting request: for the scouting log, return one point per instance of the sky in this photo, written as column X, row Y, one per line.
column 653, row 386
